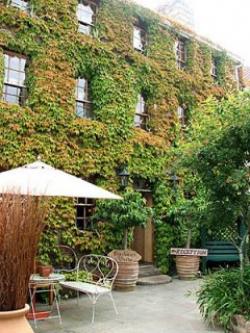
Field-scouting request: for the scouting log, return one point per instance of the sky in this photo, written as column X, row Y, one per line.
column 225, row 22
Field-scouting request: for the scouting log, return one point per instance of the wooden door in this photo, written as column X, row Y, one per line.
column 144, row 237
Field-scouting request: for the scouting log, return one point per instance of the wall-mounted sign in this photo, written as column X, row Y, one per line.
column 188, row 252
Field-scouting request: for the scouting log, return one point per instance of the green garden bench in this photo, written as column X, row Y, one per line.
column 221, row 248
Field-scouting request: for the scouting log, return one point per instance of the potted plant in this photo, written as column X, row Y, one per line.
column 21, row 223
column 124, row 215
column 44, row 267
column 187, row 211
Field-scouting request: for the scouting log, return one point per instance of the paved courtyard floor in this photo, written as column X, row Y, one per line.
column 149, row 309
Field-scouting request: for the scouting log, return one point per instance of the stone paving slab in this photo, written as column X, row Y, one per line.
column 154, row 280
column 149, row 309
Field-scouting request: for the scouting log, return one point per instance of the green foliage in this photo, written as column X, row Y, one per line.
column 223, row 163
column 80, row 276
column 73, row 276
column 164, row 240
column 124, row 214
column 224, row 294
column 216, row 157
column 188, row 210
column 47, row 125
column 44, row 259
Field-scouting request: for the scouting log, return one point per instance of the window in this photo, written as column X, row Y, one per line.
column 14, row 78
column 181, row 114
column 84, row 210
column 237, row 72
column 139, row 39
column 141, row 116
column 21, row 4
column 181, row 56
column 214, row 71
column 83, row 104
column 86, row 11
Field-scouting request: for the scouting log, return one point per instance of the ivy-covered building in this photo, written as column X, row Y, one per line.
column 95, row 86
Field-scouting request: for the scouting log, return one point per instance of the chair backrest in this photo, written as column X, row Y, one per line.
column 102, row 270
column 67, row 261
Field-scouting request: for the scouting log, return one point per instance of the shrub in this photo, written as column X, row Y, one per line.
column 125, row 214
column 224, row 294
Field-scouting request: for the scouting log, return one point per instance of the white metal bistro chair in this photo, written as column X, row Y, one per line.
column 101, row 273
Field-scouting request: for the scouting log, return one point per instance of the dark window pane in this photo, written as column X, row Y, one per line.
column 138, row 121
column 85, row 13
column 83, row 110
column 14, row 70
column 85, row 29
column 84, row 209
column 180, row 53
column 82, row 90
column 214, row 68
column 80, row 112
column 141, row 116
column 14, row 78
column 83, row 104
column 181, row 114
column 12, row 94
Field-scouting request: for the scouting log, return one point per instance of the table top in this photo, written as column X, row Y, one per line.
column 52, row 278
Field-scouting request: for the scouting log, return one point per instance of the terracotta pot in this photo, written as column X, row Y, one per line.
column 128, row 262
column 187, row 267
column 15, row 321
column 45, row 271
column 239, row 324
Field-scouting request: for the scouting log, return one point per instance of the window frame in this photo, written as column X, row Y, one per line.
column 143, row 38
column 17, row 85
column 94, row 6
column 143, row 116
column 88, row 206
column 214, row 68
column 182, row 117
column 181, row 53
column 85, row 102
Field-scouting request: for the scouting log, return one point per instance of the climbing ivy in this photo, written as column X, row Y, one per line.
column 47, row 125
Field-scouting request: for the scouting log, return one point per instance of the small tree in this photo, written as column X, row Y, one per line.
column 189, row 212
column 124, row 214
column 219, row 156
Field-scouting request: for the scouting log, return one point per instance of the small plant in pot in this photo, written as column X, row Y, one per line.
column 187, row 211
column 124, row 215
column 44, row 267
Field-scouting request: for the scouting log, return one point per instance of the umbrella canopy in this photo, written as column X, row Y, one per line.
column 40, row 179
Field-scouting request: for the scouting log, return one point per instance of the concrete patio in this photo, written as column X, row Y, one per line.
column 149, row 309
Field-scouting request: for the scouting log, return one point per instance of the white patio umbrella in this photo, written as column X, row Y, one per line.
column 40, row 179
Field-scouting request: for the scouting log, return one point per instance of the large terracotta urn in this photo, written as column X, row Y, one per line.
column 15, row 321
column 128, row 262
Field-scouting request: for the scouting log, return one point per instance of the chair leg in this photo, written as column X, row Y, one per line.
column 78, row 298
column 113, row 302
column 32, row 293
column 204, row 265
column 93, row 310
column 56, row 301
